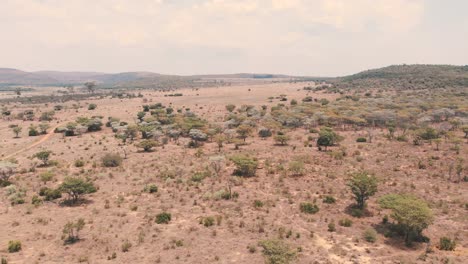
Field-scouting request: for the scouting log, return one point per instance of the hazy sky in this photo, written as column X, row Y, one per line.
column 302, row 37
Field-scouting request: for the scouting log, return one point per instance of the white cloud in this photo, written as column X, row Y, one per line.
column 293, row 30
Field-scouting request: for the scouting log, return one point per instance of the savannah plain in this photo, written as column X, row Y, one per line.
column 187, row 200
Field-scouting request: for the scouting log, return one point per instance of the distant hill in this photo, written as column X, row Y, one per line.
column 13, row 76
column 408, row 77
column 124, row 79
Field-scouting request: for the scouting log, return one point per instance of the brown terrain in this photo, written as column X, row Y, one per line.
column 121, row 215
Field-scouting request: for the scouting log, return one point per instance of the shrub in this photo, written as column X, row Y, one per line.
column 92, row 106
column 163, row 218
column 296, row 168
column 14, row 246
column 331, row 226
column 361, row 140
column 207, row 221
column 277, row 252
column 147, row 145
column 264, row 132
column 111, row 160
column 126, row 245
column 33, row 131
column 36, row 201
column 151, row 188
column 446, row 243
column 258, row 204
column 71, row 231
column 79, row 163
column 345, row 222
column 329, row 199
column 50, row 194
column 246, row 166
column 309, row 208
column 370, row 235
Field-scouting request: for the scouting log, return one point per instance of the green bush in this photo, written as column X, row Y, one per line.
column 151, row 188
column 163, row 218
column 329, row 199
column 446, row 243
column 246, row 166
column 345, row 222
column 79, row 163
column 35, row 200
column 14, row 246
column 309, row 208
column 111, row 160
column 92, row 106
column 277, row 252
column 50, row 194
column 207, row 221
column 361, row 140
column 258, row 204
column 370, row 235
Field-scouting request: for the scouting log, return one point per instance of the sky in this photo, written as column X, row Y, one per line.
column 297, row 37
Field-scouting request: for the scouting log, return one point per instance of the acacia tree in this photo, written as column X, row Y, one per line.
column 412, row 214
column 282, row 139
column 43, row 156
column 147, row 145
column 17, row 130
column 244, row 131
column 90, row 86
column 75, row 187
column 362, row 186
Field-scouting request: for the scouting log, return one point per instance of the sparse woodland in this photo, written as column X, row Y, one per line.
column 287, row 172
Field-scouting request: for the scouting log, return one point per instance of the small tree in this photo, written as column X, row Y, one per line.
column 71, row 231
column 43, row 156
column 7, row 169
column 246, row 166
column 43, row 128
column 412, row 215
column 230, row 108
column 362, row 186
column 244, row 131
column 75, row 187
column 17, row 130
column 282, row 139
column 147, row 144
column 90, row 86
column 219, row 139
column 327, row 137
column 465, row 130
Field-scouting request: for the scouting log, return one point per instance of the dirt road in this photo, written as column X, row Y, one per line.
column 40, row 141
